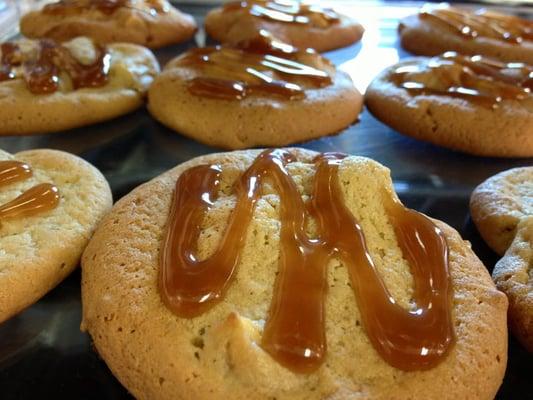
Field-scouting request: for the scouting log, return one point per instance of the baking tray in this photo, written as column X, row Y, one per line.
column 42, row 351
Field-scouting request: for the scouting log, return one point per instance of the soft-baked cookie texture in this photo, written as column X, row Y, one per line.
column 253, row 119
column 454, row 105
column 39, row 251
column 151, row 23
column 128, row 70
column 467, row 31
column 498, row 204
column 322, row 30
column 513, row 275
column 158, row 355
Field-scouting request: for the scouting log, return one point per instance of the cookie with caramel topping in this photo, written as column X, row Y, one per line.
column 151, row 23
column 299, row 24
column 502, row 209
column 48, row 87
column 435, row 30
column 208, row 334
column 50, row 203
column 263, row 94
column 472, row 104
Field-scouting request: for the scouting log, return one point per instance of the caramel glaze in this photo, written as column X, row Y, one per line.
column 40, row 198
column 294, row 333
column 491, row 25
column 481, row 80
column 233, row 74
column 286, row 11
column 42, row 74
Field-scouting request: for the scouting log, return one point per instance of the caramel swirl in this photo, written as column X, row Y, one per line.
column 492, row 25
column 286, row 11
column 294, row 333
column 233, row 74
column 40, row 198
column 42, row 74
column 481, row 80
column 107, row 7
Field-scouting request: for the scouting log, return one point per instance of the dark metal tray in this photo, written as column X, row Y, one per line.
column 42, row 351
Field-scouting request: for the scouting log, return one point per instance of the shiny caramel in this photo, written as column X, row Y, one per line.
column 286, row 11
column 294, row 334
column 42, row 74
column 480, row 80
column 470, row 25
column 233, row 74
column 40, row 198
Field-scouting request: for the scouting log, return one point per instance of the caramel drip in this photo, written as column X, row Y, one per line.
column 13, row 171
column 471, row 25
column 477, row 79
column 40, row 198
column 286, row 11
column 63, row 7
column 43, row 73
column 233, row 74
column 294, row 333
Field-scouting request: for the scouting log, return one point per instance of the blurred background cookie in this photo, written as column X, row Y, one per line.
column 50, row 203
column 264, row 93
column 191, row 276
column 436, row 29
column 46, row 86
column 151, row 23
column 301, row 25
column 476, row 105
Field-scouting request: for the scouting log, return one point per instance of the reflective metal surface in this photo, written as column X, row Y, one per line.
column 42, row 351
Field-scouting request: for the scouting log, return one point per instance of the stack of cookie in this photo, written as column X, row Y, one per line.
column 279, row 273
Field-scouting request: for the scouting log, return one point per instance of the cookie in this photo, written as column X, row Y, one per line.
column 238, row 98
column 435, row 30
column 50, row 203
column 498, row 204
column 187, row 293
column 49, row 87
column 151, row 23
column 512, row 275
column 301, row 25
column 476, row 105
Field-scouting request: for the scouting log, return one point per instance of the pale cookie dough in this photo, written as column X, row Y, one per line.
column 235, row 26
column 455, row 123
column 151, row 23
column 257, row 120
column 38, row 252
column 158, row 355
column 429, row 38
column 498, row 204
column 513, row 275
column 132, row 69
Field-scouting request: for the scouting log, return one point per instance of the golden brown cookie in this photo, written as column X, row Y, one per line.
column 234, row 98
column 50, row 203
column 498, row 204
column 49, row 87
column 301, row 25
column 218, row 351
column 435, row 30
column 151, row 23
column 513, row 276
column 473, row 104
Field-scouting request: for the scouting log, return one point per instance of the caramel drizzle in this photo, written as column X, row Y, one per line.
column 107, row 7
column 286, row 11
column 42, row 74
column 38, row 199
column 470, row 25
column 233, row 74
column 484, row 81
column 294, row 333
